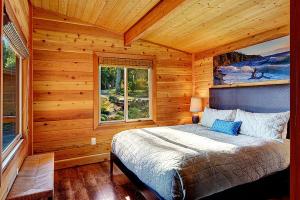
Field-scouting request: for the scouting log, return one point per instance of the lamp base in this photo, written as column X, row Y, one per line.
column 195, row 119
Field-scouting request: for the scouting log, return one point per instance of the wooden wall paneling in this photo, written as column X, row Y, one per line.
column 203, row 78
column 68, row 56
column 295, row 106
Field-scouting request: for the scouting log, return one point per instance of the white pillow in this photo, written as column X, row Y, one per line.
column 264, row 125
column 210, row 115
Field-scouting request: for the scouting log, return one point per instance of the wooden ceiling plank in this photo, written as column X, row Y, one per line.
column 46, row 4
column 219, row 23
column 239, row 17
column 193, row 26
column 73, row 28
column 233, row 34
column 136, row 13
column 115, row 15
column 228, row 37
column 53, row 4
column 50, row 18
column 80, row 8
column 234, row 23
column 168, row 47
column 37, row 3
column 96, row 11
column 62, row 7
column 128, row 11
column 155, row 14
column 118, row 8
column 72, row 8
column 259, row 38
column 180, row 19
column 105, row 12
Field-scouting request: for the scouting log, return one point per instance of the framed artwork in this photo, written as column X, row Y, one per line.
column 265, row 62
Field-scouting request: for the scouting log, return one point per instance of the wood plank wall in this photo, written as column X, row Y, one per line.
column 20, row 9
column 63, row 88
column 203, row 78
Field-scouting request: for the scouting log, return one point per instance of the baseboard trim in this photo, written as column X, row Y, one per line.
column 73, row 162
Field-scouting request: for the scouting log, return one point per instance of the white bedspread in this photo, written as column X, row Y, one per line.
column 190, row 162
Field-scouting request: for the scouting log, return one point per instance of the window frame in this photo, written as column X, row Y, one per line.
column 97, row 61
column 6, row 152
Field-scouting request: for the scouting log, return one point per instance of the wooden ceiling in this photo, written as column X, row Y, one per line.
column 113, row 15
column 189, row 25
column 198, row 25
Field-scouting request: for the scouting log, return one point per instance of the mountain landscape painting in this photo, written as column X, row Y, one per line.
column 268, row 61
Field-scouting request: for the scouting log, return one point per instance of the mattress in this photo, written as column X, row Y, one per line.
column 191, row 162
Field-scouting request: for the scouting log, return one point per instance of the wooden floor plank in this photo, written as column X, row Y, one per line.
column 92, row 182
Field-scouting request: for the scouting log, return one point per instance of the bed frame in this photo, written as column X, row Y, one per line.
column 269, row 98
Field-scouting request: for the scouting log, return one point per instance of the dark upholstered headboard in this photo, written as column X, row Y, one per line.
column 260, row 99
column 269, row 98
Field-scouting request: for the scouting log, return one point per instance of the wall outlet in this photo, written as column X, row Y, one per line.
column 17, row 170
column 93, row 141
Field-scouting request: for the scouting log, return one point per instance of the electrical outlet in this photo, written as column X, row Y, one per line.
column 93, row 141
column 17, row 170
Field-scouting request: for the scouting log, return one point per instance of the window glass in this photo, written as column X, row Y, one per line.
column 10, row 94
column 112, row 93
column 122, row 104
column 138, row 93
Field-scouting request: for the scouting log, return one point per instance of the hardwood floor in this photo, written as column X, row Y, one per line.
column 92, row 182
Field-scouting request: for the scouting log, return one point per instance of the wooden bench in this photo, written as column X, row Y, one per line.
column 35, row 179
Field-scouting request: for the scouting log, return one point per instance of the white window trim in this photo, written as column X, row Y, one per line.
column 126, row 94
column 11, row 154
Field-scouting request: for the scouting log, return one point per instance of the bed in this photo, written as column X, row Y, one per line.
column 192, row 162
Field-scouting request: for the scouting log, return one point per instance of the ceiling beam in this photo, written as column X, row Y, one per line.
column 251, row 40
column 159, row 11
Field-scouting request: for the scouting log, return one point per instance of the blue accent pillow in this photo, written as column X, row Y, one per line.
column 228, row 127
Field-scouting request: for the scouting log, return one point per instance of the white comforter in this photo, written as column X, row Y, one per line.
column 190, row 162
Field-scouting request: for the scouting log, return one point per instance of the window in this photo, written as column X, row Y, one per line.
column 125, row 93
column 11, row 96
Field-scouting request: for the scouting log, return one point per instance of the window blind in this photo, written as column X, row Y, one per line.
column 14, row 37
column 125, row 61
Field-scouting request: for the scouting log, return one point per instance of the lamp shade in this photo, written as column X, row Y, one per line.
column 196, row 104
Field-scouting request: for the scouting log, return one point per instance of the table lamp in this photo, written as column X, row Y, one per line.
column 195, row 107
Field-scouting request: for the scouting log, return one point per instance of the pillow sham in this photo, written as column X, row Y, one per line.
column 210, row 115
column 228, row 127
column 264, row 125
